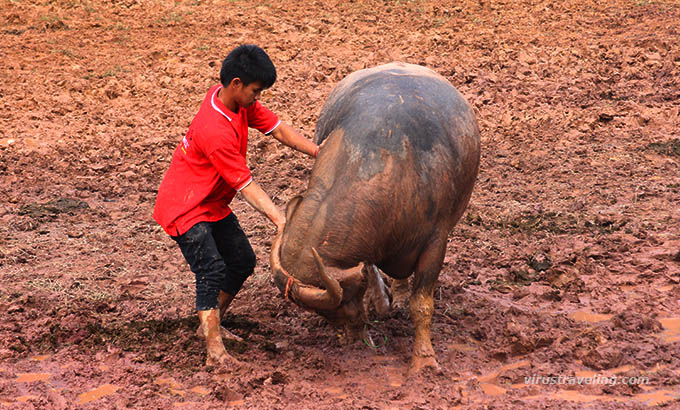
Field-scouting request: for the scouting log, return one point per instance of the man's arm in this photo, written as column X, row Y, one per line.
column 288, row 136
column 259, row 200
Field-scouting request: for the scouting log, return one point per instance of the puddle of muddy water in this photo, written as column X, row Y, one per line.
column 490, row 377
column 632, row 288
column 583, row 316
column 96, row 394
column 200, row 390
column 573, row 396
column 487, row 381
column 32, row 377
column 520, row 385
column 461, row 347
column 654, row 398
column 389, row 376
column 174, row 388
column 170, row 382
column 337, row 392
column 492, row 389
column 658, row 397
column 671, row 327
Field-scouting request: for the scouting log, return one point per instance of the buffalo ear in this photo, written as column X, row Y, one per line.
column 292, row 206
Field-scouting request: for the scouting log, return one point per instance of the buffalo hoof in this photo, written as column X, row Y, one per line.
column 418, row 364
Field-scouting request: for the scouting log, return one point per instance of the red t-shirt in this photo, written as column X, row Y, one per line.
column 209, row 165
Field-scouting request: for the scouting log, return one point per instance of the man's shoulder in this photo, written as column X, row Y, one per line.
column 256, row 108
column 209, row 118
column 210, row 126
column 211, row 132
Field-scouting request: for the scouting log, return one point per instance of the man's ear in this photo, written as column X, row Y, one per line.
column 236, row 82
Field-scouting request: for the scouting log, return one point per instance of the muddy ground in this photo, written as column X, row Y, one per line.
column 565, row 266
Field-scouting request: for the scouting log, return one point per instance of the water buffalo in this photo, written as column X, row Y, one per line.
column 397, row 166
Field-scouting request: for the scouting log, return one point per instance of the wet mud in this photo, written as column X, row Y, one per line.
column 561, row 283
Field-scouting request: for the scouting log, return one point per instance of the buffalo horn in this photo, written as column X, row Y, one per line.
column 304, row 295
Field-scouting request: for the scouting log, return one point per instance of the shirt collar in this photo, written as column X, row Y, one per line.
column 217, row 104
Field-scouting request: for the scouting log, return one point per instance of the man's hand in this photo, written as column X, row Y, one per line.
column 280, row 224
column 318, row 147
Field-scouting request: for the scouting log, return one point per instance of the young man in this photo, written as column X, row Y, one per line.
column 207, row 169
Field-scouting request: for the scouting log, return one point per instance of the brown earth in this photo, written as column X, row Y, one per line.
column 567, row 263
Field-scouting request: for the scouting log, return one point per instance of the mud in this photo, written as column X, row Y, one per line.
column 565, row 265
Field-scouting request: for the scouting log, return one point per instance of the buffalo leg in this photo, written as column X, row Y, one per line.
column 400, row 293
column 356, row 318
column 421, row 304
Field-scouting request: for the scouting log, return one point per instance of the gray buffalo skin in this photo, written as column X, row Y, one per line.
column 397, row 167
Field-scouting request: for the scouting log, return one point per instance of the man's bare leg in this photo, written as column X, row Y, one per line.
column 210, row 327
column 223, row 300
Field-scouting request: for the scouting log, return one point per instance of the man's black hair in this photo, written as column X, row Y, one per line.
column 250, row 63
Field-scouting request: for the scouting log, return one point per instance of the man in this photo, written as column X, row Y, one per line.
column 207, row 169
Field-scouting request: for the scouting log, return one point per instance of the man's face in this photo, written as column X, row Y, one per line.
column 246, row 95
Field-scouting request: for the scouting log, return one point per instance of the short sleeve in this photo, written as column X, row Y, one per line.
column 231, row 165
column 260, row 118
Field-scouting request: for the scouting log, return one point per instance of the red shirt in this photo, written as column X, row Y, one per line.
column 209, row 165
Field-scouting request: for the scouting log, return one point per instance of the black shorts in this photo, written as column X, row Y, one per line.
column 220, row 256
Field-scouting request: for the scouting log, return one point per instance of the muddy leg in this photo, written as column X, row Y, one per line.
column 377, row 292
column 224, row 300
column 421, row 304
column 210, row 326
column 400, row 293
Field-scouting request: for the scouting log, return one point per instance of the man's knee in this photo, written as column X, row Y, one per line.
column 243, row 260
column 244, row 268
column 239, row 270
